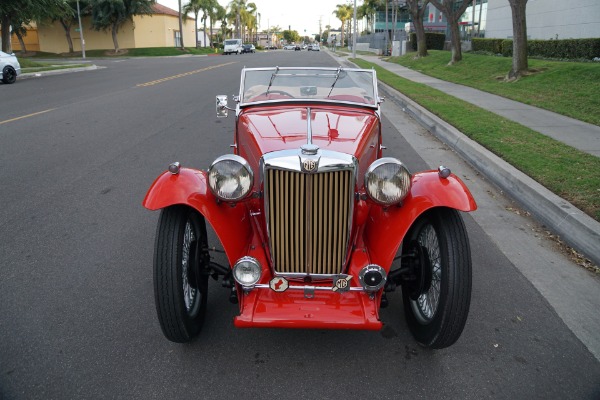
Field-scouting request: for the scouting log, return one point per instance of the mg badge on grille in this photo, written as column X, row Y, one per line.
column 279, row 284
column 309, row 165
column 341, row 283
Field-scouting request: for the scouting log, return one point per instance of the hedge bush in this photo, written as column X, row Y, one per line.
column 433, row 41
column 572, row 49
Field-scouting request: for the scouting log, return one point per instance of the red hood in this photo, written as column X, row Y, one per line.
column 333, row 128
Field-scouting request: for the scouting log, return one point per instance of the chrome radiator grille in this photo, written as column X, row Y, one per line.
column 309, row 220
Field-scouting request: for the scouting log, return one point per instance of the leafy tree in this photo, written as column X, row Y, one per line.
column 417, row 9
column 15, row 13
column 181, row 45
column 248, row 19
column 236, row 7
column 220, row 14
column 113, row 14
column 343, row 12
column 367, row 10
column 195, row 6
column 453, row 12
column 519, row 61
column 67, row 17
column 291, row 36
column 215, row 13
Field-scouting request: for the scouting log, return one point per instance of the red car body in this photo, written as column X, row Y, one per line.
column 376, row 232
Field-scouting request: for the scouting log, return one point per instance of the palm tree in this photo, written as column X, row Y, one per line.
column 215, row 13
column 343, row 12
column 248, row 17
column 195, row 6
column 236, row 8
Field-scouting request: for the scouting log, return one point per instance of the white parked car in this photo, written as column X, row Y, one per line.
column 289, row 47
column 10, row 67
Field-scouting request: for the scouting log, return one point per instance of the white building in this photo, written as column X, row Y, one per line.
column 547, row 19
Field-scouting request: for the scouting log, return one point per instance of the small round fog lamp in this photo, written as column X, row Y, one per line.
column 247, row 272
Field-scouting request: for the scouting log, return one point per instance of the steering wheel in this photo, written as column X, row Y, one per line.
column 276, row 92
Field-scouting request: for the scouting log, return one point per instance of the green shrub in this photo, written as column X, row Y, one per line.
column 487, row 45
column 433, row 41
column 567, row 49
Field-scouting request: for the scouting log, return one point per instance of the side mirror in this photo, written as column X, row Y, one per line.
column 222, row 109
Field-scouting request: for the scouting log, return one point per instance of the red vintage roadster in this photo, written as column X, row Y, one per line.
column 311, row 217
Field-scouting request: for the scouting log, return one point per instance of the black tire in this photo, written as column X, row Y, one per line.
column 438, row 322
column 9, row 75
column 180, row 286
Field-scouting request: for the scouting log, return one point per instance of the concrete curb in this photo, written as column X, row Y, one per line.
column 577, row 229
column 30, row 75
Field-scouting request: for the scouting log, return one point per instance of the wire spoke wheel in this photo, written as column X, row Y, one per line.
column 437, row 313
column 180, row 281
column 427, row 303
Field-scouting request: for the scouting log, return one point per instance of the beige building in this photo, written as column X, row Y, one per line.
column 161, row 29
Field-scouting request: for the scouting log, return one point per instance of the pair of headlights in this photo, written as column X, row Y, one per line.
column 387, row 181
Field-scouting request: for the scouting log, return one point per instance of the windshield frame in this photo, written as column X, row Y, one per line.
column 331, row 70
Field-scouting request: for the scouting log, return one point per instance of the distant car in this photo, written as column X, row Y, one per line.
column 315, row 47
column 289, row 47
column 297, row 47
column 10, row 67
column 248, row 48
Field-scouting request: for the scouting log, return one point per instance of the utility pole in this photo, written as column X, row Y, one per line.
column 354, row 33
column 81, row 32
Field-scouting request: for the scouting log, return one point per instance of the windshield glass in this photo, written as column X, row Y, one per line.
column 285, row 84
column 229, row 42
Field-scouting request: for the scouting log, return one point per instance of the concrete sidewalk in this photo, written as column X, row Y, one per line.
column 575, row 133
column 575, row 228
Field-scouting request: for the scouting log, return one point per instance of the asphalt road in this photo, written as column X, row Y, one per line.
column 77, row 319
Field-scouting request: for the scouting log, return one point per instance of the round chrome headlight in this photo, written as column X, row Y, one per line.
column 247, row 272
column 230, row 178
column 387, row 181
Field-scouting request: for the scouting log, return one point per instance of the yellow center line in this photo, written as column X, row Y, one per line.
column 26, row 116
column 182, row 75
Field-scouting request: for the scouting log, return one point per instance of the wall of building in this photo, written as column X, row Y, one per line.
column 547, row 19
column 150, row 31
column 31, row 40
column 159, row 31
column 53, row 39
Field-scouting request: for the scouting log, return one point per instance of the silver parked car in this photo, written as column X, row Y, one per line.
column 10, row 67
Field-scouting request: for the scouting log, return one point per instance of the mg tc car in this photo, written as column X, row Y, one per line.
column 316, row 224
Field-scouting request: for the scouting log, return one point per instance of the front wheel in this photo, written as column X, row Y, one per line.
column 9, row 75
column 436, row 304
column 180, row 278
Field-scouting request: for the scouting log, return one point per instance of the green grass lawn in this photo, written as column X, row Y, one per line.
column 28, row 65
column 567, row 88
column 568, row 172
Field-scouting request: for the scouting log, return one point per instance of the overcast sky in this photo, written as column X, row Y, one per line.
column 300, row 15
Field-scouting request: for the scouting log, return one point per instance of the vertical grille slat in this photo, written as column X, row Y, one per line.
column 309, row 220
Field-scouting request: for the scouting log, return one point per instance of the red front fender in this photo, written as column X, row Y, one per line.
column 385, row 228
column 190, row 187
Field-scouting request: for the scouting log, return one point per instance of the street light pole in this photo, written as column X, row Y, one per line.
column 354, row 35
column 81, row 32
